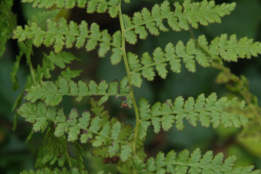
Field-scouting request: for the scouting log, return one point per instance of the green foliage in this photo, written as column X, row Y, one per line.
column 7, row 23
column 111, row 137
column 98, row 130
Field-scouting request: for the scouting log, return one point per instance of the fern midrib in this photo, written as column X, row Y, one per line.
column 79, row 94
column 135, row 106
column 182, row 112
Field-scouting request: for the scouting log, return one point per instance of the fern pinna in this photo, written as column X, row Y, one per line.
column 110, row 137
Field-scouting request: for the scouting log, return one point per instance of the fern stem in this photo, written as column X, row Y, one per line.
column 131, row 95
column 68, row 159
column 31, row 69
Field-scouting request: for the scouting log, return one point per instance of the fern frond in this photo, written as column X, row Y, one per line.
column 204, row 110
column 228, row 49
column 56, row 171
column 188, row 14
column 100, row 6
column 193, row 163
column 52, row 93
column 70, row 35
column 99, row 131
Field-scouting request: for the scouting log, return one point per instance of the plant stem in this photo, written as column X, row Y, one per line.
column 131, row 94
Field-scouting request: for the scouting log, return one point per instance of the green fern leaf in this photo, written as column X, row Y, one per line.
column 205, row 110
column 63, row 35
column 99, row 131
column 52, row 93
column 229, row 50
column 195, row 164
column 197, row 12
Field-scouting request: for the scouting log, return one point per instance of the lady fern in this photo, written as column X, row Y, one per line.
column 109, row 136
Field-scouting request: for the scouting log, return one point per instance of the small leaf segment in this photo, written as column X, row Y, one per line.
column 193, row 163
column 185, row 15
column 204, row 110
column 228, row 49
column 99, row 131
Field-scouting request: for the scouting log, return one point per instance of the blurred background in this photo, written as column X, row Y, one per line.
column 16, row 154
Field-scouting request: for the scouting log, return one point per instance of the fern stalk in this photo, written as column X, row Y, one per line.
column 135, row 107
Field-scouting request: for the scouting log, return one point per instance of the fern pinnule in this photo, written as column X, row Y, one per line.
column 189, row 14
column 205, row 110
